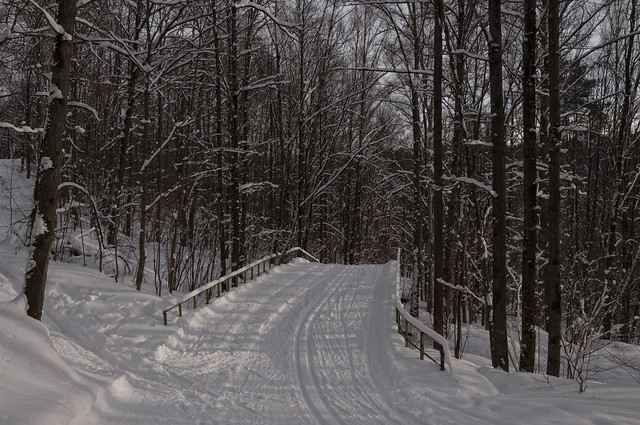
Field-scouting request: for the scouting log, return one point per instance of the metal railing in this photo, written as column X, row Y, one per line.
column 203, row 295
column 413, row 326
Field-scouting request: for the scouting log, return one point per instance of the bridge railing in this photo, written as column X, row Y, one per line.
column 204, row 294
column 408, row 326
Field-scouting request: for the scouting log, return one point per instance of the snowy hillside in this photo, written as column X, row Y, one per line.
column 306, row 343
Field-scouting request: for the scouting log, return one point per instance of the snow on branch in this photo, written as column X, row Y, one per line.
column 176, row 126
column 478, row 143
column 285, row 26
column 21, row 129
column 52, row 22
column 463, row 289
column 254, row 187
column 169, row 2
column 474, row 182
column 85, row 107
column 266, row 82
column 470, row 55
column 604, row 44
column 82, row 3
column 389, row 70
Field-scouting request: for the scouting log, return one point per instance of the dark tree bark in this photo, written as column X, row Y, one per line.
column 418, row 246
column 438, row 205
column 552, row 274
column 234, row 136
column 46, row 187
column 529, row 189
column 498, row 319
column 142, row 257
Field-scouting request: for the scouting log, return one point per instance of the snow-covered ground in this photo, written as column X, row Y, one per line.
column 306, row 343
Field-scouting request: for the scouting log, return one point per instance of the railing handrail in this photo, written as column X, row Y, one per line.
column 192, row 296
column 424, row 329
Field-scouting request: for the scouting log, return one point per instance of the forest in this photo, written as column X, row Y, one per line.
column 495, row 142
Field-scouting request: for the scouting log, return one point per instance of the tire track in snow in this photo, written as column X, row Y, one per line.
column 332, row 367
column 304, row 371
column 378, row 322
column 359, row 400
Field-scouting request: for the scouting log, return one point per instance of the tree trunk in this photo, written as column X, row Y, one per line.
column 438, row 206
column 418, row 246
column 529, row 189
column 552, row 275
column 143, row 173
column 234, row 135
column 46, row 187
column 498, row 319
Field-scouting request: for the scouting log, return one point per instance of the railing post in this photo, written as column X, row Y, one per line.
column 207, row 294
column 406, row 333
column 164, row 315
column 421, row 345
column 195, row 298
column 398, row 320
column 218, row 285
column 180, row 309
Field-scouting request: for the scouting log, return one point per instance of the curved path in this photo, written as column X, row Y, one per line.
column 301, row 345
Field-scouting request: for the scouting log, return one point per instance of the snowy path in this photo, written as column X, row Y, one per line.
column 293, row 347
column 305, row 344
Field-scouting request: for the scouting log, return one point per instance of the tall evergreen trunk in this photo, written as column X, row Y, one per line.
column 498, row 319
column 51, row 155
column 529, row 189
column 552, row 272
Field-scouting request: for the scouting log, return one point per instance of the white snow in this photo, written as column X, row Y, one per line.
column 46, row 163
column 55, row 93
column 305, row 343
column 21, row 129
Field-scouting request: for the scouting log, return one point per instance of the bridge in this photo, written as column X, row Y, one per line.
column 302, row 342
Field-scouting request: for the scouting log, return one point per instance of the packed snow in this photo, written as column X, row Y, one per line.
column 306, row 343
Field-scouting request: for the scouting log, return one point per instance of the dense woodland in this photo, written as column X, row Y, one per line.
column 495, row 142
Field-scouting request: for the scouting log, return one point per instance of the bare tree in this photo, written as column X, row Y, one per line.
column 43, row 217
column 552, row 272
column 438, row 207
column 498, row 320
column 529, row 189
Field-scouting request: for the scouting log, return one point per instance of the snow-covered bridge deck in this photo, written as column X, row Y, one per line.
column 305, row 344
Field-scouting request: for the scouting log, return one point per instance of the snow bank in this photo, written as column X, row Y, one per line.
column 38, row 386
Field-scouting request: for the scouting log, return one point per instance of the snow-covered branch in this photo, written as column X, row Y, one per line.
column 285, row 26
column 21, row 129
column 389, row 70
column 85, row 107
column 50, row 20
column 474, row 182
column 167, row 140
